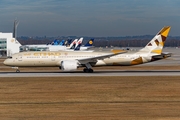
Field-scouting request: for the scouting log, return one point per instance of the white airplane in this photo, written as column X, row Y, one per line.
column 71, row 60
column 44, row 47
column 75, row 45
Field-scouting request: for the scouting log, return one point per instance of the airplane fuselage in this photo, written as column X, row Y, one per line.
column 53, row 59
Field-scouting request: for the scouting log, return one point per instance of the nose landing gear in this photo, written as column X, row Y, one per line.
column 17, row 70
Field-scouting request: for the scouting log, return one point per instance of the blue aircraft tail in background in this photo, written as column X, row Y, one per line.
column 62, row 43
column 57, row 42
column 68, row 42
column 89, row 43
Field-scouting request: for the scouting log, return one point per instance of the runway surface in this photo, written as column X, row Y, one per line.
column 97, row 73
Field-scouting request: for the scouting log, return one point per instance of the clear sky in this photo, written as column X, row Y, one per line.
column 90, row 17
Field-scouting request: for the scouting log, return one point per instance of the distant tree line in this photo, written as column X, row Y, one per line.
column 108, row 41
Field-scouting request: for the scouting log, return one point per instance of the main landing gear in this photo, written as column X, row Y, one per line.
column 88, row 68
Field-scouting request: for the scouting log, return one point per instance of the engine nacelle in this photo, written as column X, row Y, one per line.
column 69, row 65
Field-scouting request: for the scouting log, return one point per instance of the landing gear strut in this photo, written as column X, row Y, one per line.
column 88, row 68
column 17, row 70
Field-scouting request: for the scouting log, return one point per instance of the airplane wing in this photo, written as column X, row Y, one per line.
column 101, row 57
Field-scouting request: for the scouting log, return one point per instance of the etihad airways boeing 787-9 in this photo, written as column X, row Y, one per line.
column 71, row 60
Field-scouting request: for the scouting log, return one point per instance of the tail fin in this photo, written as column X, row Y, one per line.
column 68, row 42
column 157, row 43
column 72, row 45
column 55, row 42
column 62, row 43
column 78, row 44
column 89, row 43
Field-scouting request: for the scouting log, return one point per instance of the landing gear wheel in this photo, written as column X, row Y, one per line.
column 18, row 71
column 85, row 70
column 88, row 70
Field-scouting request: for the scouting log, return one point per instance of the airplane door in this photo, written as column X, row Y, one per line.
column 20, row 58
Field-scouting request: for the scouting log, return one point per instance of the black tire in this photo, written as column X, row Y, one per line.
column 85, row 70
column 90, row 71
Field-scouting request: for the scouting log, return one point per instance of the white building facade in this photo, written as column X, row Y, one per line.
column 8, row 44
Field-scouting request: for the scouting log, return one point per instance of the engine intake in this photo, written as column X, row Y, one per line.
column 69, row 65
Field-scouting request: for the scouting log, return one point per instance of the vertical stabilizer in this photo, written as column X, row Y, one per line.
column 72, row 45
column 157, row 43
column 78, row 44
column 89, row 43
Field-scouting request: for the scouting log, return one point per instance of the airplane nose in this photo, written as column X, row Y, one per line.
column 6, row 62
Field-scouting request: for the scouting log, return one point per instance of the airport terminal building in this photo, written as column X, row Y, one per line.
column 8, row 44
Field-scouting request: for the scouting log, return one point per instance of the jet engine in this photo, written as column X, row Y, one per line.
column 69, row 65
